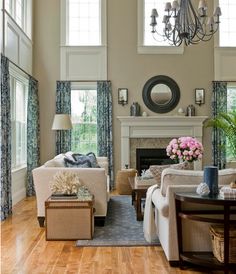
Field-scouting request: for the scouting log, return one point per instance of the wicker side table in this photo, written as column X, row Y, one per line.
column 122, row 181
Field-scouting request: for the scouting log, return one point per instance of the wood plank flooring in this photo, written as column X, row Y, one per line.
column 24, row 250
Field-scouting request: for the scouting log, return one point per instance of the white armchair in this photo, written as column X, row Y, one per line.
column 196, row 235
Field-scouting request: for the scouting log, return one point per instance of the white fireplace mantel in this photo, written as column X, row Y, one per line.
column 158, row 127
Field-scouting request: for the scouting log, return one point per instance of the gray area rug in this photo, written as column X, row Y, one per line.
column 121, row 227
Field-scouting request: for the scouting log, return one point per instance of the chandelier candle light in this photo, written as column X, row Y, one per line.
column 182, row 23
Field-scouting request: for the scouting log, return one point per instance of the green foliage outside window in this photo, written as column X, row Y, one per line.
column 84, row 120
column 231, row 107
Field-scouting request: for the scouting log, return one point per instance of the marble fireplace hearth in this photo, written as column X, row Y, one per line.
column 156, row 132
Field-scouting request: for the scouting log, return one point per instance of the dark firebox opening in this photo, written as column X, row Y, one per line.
column 146, row 157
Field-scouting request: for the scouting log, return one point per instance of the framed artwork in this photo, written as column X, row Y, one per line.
column 123, row 96
column 199, row 96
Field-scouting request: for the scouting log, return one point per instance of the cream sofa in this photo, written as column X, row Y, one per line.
column 96, row 179
column 196, row 235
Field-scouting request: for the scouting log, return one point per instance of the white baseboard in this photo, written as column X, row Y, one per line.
column 18, row 196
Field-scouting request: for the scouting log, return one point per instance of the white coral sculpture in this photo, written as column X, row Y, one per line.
column 65, row 182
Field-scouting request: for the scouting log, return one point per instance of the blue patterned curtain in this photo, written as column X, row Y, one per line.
column 219, row 104
column 63, row 106
column 104, row 124
column 6, row 195
column 33, row 145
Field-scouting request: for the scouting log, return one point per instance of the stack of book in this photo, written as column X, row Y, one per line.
column 60, row 196
column 227, row 192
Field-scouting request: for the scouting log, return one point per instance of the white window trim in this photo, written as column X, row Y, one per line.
column 64, row 24
column 18, row 74
column 83, row 86
column 141, row 48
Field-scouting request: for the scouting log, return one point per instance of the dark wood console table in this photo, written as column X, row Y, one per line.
column 205, row 258
column 138, row 193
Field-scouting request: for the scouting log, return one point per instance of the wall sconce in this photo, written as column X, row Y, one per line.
column 123, row 96
column 199, row 96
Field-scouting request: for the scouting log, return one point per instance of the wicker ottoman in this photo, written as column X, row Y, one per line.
column 122, row 181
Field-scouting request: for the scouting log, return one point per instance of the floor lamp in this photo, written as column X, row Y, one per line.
column 61, row 123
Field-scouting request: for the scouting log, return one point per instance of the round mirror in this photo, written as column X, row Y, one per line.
column 161, row 94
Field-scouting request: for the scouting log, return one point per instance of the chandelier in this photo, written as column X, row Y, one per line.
column 184, row 24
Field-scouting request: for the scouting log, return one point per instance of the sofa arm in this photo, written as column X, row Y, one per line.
column 171, row 177
column 103, row 163
column 166, row 204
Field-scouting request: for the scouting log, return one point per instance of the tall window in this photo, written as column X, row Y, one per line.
column 19, row 16
column 8, row 6
column 227, row 34
column 19, row 92
column 84, row 120
column 147, row 44
column 148, row 37
column 21, row 13
column 231, row 105
column 17, row 9
column 84, row 22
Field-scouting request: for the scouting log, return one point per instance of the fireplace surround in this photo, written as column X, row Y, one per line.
column 157, row 127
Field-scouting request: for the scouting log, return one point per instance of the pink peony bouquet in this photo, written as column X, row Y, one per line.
column 185, row 148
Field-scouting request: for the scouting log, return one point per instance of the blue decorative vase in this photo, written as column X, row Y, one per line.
column 211, row 179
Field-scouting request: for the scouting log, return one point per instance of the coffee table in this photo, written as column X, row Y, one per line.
column 138, row 193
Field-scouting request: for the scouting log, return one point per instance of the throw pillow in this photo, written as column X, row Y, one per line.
column 156, row 170
column 56, row 162
column 80, row 163
column 69, row 155
column 91, row 157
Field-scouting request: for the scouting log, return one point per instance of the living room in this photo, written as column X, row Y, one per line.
column 43, row 48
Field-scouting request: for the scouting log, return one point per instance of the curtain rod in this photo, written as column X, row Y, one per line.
column 25, row 72
column 82, row 80
column 221, row 81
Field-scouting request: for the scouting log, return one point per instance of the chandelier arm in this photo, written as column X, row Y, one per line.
column 187, row 25
column 161, row 36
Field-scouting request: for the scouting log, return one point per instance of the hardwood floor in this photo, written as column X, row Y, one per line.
column 24, row 250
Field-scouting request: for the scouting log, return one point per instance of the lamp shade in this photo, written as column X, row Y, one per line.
column 61, row 122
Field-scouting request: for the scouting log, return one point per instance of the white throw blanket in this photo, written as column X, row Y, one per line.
column 149, row 228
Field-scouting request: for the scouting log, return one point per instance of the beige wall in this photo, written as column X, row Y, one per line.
column 126, row 68
column 46, row 68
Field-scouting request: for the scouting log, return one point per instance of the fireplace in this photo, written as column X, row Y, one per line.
column 156, row 127
column 146, row 157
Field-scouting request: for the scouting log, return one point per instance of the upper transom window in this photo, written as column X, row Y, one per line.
column 227, row 34
column 149, row 40
column 84, row 23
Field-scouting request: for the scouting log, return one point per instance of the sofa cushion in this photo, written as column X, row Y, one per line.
column 91, row 157
column 156, row 170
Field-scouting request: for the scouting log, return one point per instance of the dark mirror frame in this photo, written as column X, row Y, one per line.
column 161, row 108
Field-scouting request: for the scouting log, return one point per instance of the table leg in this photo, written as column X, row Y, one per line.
column 226, row 239
column 138, row 207
column 133, row 197
column 179, row 231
